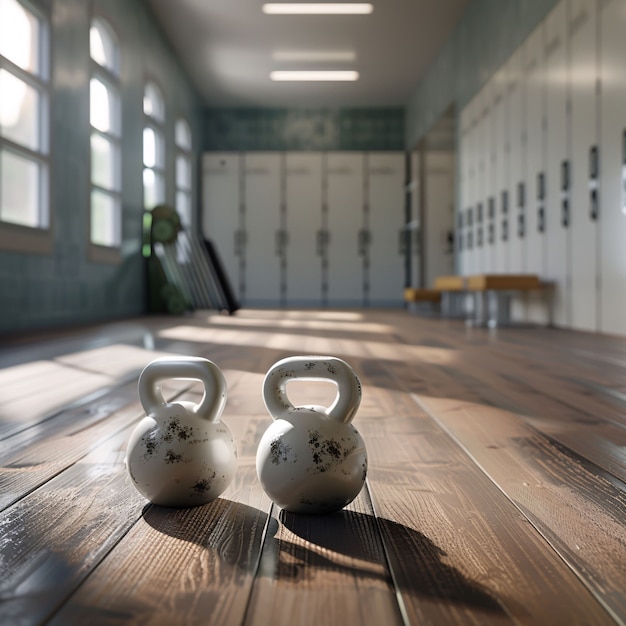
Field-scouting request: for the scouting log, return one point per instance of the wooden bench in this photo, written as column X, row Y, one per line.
column 493, row 293
column 443, row 291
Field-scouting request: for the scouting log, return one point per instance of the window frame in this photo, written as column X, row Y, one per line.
column 19, row 237
column 110, row 77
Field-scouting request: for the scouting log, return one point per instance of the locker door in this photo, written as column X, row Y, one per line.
column 612, row 218
column 558, row 169
column 221, row 211
column 439, row 212
column 262, row 192
column 343, row 236
column 480, row 234
column 492, row 182
column 534, row 221
column 502, row 199
column 303, row 220
column 584, row 142
column 385, row 183
column 464, row 199
column 414, row 225
column 516, row 174
column 482, row 219
column 468, row 216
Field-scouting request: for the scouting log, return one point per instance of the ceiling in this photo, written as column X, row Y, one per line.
column 229, row 48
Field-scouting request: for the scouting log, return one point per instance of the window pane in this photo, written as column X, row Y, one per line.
column 153, row 152
column 104, row 163
column 153, row 103
column 20, row 191
column 183, row 135
column 105, row 219
column 183, row 172
column 153, row 189
column 19, row 35
column 19, row 111
column 103, row 107
column 183, row 207
column 103, row 46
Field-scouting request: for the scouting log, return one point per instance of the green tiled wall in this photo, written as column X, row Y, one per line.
column 66, row 288
column 304, row 129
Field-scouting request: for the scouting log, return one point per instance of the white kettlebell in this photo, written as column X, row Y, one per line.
column 181, row 454
column 311, row 459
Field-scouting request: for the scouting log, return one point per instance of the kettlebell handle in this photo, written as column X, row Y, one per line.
column 188, row 368
column 318, row 368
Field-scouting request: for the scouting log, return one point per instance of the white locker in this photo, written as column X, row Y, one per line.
column 438, row 212
column 584, row 163
column 343, row 236
column 612, row 217
column 557, row 163
column 516, row 189
column 303, row 221
column 464, row 197
column 484, row 171
column 534, row 220
column 501, row 193
column 385, row 221
column 414, row 225
column 468, row 214
column 222, row 221
column 262, row 209
column 491, row 214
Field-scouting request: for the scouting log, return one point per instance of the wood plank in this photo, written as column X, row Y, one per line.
column 421, row 295
column 36, row 455
column 459, row 550
column 54, row 538
column 581, row 513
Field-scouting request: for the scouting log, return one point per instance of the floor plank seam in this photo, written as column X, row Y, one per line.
column 397, row 592
column 257, row 565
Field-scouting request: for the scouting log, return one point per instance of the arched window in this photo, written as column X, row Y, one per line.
column 153, row 146
column 184, row 172
column 24, row 118
column 106, row 130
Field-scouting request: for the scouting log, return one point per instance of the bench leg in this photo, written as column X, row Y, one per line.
column 499, row 308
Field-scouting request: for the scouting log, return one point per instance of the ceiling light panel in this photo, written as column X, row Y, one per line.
column 316, row 56
column 314, row 75
column 326, row 8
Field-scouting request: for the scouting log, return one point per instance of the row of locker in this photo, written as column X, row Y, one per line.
column 307, row 228
column 542, row 173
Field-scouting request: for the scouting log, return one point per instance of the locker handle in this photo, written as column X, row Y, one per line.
column 505, row 230
column 565, row 213
column 521, row 195
column 541, row 219
column 593, row 209
column 520, row 226
column 565, row 175
column 541, row 186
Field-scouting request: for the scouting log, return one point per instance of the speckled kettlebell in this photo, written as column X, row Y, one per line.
column 181, row 454
column 311, row 459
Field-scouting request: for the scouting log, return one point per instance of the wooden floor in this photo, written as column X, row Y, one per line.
column 496, row 491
